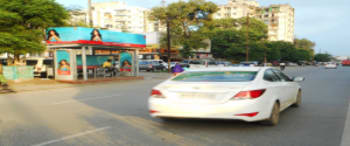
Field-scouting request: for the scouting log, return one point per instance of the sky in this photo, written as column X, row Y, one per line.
column 324, row 22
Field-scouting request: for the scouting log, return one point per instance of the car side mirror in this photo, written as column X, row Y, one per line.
column 298, row 79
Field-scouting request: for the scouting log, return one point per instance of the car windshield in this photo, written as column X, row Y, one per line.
column 217, row 76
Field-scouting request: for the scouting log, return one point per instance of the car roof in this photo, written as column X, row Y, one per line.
column 230, row 69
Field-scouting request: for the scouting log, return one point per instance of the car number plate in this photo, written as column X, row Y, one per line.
column 195, row 95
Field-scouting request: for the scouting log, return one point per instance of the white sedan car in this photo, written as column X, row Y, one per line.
column 331, row 66
column 242, row 93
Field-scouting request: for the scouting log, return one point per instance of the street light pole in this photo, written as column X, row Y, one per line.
column 90, row 14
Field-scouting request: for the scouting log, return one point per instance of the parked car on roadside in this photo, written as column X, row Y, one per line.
column 151, row 65
column 223, row 63
column 241, row 93
column 249, row 63
column 43, row 67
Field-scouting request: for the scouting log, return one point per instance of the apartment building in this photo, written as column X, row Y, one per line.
column 78, row 17
column 237, row 9
column 278, row 18
column 122, row 17
column 280, row 21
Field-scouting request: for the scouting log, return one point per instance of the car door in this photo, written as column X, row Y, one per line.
column 276, row 87
column 291, row 87
column 156, row 65
column 285, row 87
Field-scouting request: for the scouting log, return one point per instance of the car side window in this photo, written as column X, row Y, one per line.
column 270, row 76
column 155, row 63
column 282, row 76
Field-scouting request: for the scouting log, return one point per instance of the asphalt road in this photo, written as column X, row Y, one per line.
column 117, row 114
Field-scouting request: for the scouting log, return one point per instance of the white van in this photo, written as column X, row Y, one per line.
column 43, row 67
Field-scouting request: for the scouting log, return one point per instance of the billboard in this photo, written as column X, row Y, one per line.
column 83, row 35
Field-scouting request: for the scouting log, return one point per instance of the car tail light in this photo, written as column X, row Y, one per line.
column 252, row 94
column 152, row 111
column 157, row 94
column 248, row 114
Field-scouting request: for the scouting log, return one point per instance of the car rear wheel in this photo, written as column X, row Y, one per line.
column 298, row 100
column 274, row 117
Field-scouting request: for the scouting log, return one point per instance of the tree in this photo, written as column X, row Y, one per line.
column 304, row 44
column 321, row 57
column 229, row 38
column 186, row 20
column 227, row 44
column 22, row 24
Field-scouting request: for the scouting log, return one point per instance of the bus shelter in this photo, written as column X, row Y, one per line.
column 84, row 53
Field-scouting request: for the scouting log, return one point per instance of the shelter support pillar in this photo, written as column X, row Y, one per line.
column 136, row 62
column 83, row 57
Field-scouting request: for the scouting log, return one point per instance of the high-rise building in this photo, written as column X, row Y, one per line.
column 237, row 9
column 122, row 17
column 280, row 21
column 278, row 18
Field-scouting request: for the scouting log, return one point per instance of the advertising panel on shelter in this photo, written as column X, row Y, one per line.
column 63, row 59
column 83, row 35
column 65, row 64
column 126, row 62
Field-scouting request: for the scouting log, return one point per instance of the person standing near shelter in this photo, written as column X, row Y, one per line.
column 177, row 69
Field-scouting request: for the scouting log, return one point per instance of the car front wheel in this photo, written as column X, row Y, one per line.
column 274, row 117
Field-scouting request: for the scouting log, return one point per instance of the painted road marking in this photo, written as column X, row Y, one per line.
column 346, row 133
column 72, row 136
column 84, row 99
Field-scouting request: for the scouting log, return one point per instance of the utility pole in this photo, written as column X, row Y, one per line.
column 265, row 57
column 90, row 14
column 168, row 36
column 168, row 42
column 247, row 37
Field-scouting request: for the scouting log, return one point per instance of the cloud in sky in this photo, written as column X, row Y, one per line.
column 322, row 21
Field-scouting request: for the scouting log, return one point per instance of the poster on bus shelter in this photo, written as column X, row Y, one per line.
column 63, row 60
column 83, row 35
column 125, row 62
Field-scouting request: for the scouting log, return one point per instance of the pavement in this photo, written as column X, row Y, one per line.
column 116, row 113
column 38, row 84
